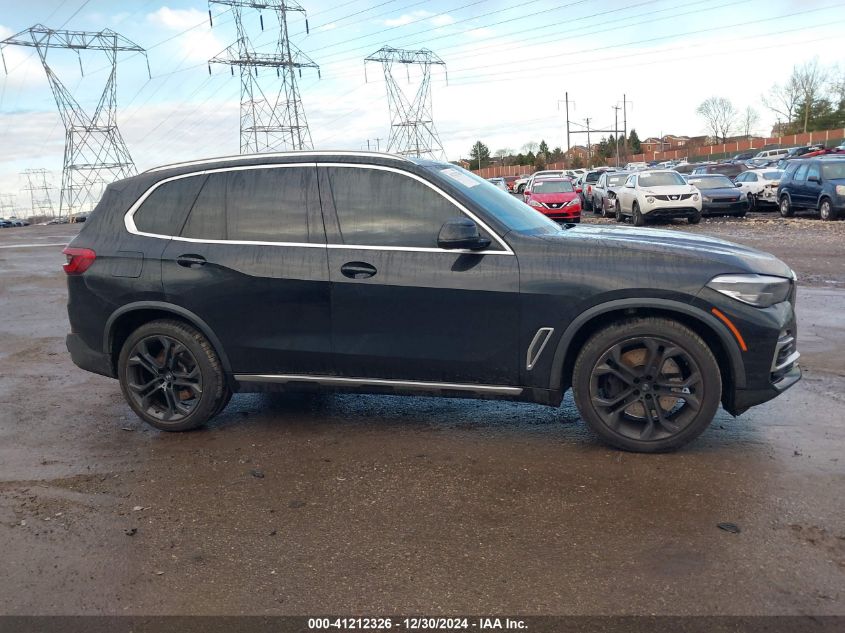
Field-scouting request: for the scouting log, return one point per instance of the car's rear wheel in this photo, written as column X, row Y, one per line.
column 618, row 211
column 647, row 384
column 171, row 376
column 638, row 217
column 826, row 210
column 520, row 189
column 786, row 209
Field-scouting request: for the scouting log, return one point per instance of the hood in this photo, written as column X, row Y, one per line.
column 663, row 190
column 721, row 192
column 710, row 255
column 554, row 197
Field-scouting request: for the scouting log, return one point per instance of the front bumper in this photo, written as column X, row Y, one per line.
column 724, row 208
column 669, row 212
column 87, row 358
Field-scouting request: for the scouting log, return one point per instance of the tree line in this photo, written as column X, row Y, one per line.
column 811, row 98
column 539, row 155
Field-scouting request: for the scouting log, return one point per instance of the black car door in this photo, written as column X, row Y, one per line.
column 798, row 192
column 813, row 185
column 402, row 308
column 250, row 261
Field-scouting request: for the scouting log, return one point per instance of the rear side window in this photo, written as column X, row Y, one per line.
column 383, row 208
column 259, row 205
column 801, row 174
column 163, row 212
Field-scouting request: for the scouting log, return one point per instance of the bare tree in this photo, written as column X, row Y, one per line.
column 719, row 115
column 530, row 146
column 811, row 78
column 783, row 100
column 837, row 85
column 750, row 119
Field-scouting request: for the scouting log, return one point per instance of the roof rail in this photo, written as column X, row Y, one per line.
column 223, row 159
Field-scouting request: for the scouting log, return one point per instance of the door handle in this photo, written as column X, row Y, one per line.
column 358, row 270
column 190, row 261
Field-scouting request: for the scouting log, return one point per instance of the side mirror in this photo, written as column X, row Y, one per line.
column 461, row 233
column 815, row 179
column 737, row 184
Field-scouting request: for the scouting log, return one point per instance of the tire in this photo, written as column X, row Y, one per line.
column 639, row 357
column 752, row 202
column 520, row 189
column 596, row 209
column 741, row 214
column 607, row 213
column 695, row 218
column 618, row 209
column 785, row 207
column 638, row 217
column 826, row 211
column 155, row 359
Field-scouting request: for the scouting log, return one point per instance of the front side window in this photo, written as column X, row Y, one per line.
column 813, row 172
column 383, row 208
column 163, row 211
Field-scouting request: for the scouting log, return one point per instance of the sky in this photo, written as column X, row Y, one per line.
column 508, row 65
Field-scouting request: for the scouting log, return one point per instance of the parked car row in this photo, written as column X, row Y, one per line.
column 8, row 223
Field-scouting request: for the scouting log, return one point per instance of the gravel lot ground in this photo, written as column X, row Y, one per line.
column 380, row 505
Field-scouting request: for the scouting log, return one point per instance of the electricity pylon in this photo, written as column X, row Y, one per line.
column 272, row 118
column 39, row 192
column 8, row 208
column 95, row 153
column 412, row 131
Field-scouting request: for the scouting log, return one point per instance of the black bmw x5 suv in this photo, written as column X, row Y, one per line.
column 377, row 273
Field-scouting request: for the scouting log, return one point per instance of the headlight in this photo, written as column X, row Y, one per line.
column 534, row 203
column 649, row 199
column 840, row 190
column 571, row 202
column 695, row 197
column 706, row 199
column 761, row 291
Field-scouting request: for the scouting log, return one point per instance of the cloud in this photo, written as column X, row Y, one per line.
column 442, row 20
column 407, row 18
column 199, row 43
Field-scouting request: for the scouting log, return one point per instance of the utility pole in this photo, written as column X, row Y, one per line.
column 616, row 133
column 566, row 102
column 272, row 119
column 589, row 145
column 412, row 131
column 588, row 131
column 7, row 205
column 95, row 153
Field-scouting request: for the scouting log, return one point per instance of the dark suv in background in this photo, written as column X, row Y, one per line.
column 375, row 273
column 813, row 184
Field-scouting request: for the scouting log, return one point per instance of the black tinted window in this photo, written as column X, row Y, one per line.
column 207, row 220
column 270, row 205
column 261, row 205
column 813, row 171
column 383, row 208
column 164, row 210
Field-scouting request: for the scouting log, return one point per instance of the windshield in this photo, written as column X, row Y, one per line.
column 616, row 181
column 773, row 175
column 593, row 176
column 552, row 186
column 834, row 171
column 715, row 182
column 662, row 179
column 510, row 211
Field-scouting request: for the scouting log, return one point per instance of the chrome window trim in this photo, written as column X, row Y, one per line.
column 507, row 250
column 410, row 384
column 223, row 159
column 531, row 358
column 129, row 217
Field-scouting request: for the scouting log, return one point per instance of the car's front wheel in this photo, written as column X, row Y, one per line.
column 171, row 376
column 695, row 218
column 786, row 209
column 647, row 384
column 618, row 212
column 638, row 217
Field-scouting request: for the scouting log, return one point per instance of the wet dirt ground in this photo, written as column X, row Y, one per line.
column 379, row 505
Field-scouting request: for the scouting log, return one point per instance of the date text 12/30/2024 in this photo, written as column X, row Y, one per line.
column 416, row 624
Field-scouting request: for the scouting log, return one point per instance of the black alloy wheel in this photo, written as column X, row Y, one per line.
column 647, row 384
column 163, row 378
column 171, row 376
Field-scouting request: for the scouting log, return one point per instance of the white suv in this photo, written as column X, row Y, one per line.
column 657, row 194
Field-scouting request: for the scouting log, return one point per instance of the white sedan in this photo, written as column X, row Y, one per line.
column 499, row 182
column 657, row 194
column 760, row 185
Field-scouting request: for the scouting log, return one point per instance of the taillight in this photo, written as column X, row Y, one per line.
column 78, row 260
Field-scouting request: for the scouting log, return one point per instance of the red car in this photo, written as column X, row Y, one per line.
column 556, row 198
